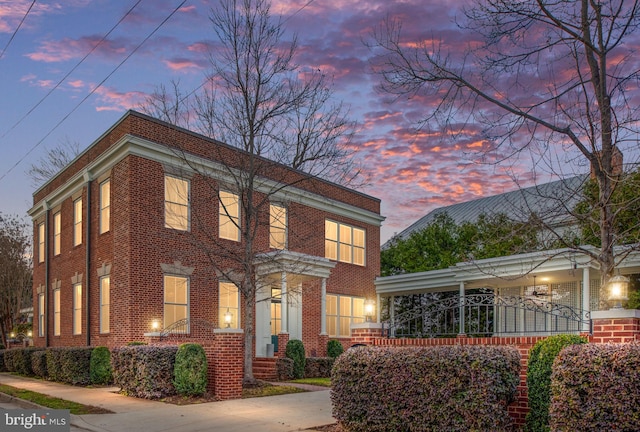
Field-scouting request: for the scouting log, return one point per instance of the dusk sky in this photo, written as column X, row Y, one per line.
column 40, row 106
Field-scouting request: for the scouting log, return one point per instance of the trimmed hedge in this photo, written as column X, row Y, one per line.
column 334, row 348
column 144, row 371
column 595, row 388
column 190, row 370
column 295, row 351
column 75, row 365
column 541, row 358
column 318, row 367
column 100, row 366
column 39, row 364
column 448, row 388
column 54, row 364
column 284, row 369
column 18, row 360
column 3, row 367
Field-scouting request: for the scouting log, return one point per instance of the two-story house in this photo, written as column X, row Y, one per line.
column 143, row 230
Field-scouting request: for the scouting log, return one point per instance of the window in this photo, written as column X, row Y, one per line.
column 41, row 242
column 176, row 303
column 344, row 243
column 277, row 226
column 56, row 233
column 342, row 311
column 276, row 310
column 41, row 314
column 176, row 203
column 105, row 206
column 77, row 309
column 229, row 216
column 105, row 299
column 229, row 302
column 77, row 222
column 56, row 312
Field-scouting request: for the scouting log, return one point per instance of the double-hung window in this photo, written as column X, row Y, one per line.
column 105, row 304
column 77, row 309
column 77, row 222
column 342, row 311
column 57, row 228
column 176, row 203
column 56, row 312
column 229, row 216
column 176, row 300
column 41, row 243
column 344, row 243
column 228, row 303
column 105, row 206
column 41, row 314
column 277, row 226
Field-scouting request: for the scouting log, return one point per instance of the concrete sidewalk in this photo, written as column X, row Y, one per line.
column 292, row 412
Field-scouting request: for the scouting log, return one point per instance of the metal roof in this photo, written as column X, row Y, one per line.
column 549, row 201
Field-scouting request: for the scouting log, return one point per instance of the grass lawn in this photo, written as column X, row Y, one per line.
column 266, row 389
column 51, row 402
column 324, row 382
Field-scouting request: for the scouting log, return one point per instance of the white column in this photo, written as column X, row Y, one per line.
column 284, row 305
column 378, row 308
column 392, row 314
column 586, row 296
column 461, row 308
column 323, row 307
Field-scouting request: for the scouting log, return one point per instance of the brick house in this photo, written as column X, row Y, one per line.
column 125, row 237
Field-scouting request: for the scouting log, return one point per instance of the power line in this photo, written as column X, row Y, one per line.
column 92, row 91
column 17, row 28
column 70, row 72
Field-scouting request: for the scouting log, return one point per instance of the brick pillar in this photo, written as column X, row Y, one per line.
column 323, row 340
column 283, row 339
column 616, row 325
column 365, row 333
column 225, row 359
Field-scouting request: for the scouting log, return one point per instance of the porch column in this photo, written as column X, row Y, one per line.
column 378, row 307
column 323, row 307
column 586, row 297
column 461, row 308
column 284, row 304
column 392, row 315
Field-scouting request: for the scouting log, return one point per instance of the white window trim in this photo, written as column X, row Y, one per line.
column 339, row 313
column 222, row 309
column 104, row 210
column 41, row 242
column 57, row 233
column 102, row 306
column 57, row 300
column 77, row 310
column 41, row 314
column 285, row 228
column 351, row 244
column 223, row 212
column 188, row 298
column 77, row 222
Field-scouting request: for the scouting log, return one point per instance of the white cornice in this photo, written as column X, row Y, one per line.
column 132, row 145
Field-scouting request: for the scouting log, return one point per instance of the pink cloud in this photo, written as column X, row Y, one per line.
column 112, row 100
column 67, row 49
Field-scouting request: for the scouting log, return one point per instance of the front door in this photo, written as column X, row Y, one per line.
column 276, row 316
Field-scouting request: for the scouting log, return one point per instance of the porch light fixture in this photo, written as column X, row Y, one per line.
column 155, row 324
column 369, row 309
column 228, row 316
column 618, row 290
column 29, row 333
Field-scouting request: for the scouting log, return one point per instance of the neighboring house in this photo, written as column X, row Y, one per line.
column 527, row 293
column 117, row 236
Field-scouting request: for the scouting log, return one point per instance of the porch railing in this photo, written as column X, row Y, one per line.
column 487, row 315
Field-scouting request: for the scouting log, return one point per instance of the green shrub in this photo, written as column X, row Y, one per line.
column 284, row 369
column 445, row 388
column 3, row 366
column 541, row 358
column 18, row 360
column 39, row 363
column 100, row 366
column 75, row 365
column 144, row 371
column 334, row 348
column 190, row 370
column 594, row 387
column 136, row 343
column 318, row 367
column 54, row 364
column 295, row 351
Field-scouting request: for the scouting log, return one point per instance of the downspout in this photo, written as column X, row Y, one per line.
column 46, row 275
column 87, row 302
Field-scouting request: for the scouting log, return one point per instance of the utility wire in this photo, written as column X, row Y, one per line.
column 17, row 28
column 70, row 72
column 92, row 91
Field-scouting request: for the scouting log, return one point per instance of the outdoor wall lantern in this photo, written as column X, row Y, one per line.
column 618, row 290
column 29, row 333
column 369, row 309
column 228, row 316
column 155, row 324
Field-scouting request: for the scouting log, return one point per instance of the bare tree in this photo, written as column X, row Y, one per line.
column 271, row 116
column 53, row 162
column 15, row 272
column 556, row 78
